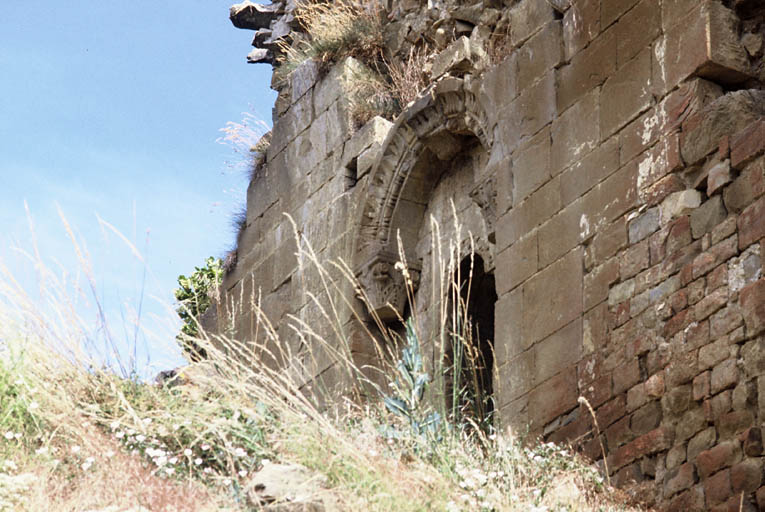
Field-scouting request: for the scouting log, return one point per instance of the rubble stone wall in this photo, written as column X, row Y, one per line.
column 611, row 169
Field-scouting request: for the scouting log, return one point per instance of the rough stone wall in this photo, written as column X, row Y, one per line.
column 611, row 171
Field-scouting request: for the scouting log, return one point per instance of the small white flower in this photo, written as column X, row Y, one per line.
column 240, row 452
column 119, row 435
column 42, row 450
column 109, row 454
column 243, row 473
column 17, row 435
column 140, row 438
column 147, row 421
column 114, row 425
column 187, row 452
column 33, row 406
column 8, row 435
column 75, row 449
column 207, row 470
column 169, row 470
column 172, row 460
column 160, row 461
column 205, row 447
column 198, row 462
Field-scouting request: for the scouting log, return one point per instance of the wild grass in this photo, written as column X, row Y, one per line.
column 77, row 436
column 346, row 28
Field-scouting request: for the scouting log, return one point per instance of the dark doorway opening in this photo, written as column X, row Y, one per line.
column 473, row 361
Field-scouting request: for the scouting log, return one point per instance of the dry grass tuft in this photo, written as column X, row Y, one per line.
column 346, row 28
column 410, row 77
column 195, row 446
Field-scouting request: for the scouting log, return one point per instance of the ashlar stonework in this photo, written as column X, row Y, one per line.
column 610, row 172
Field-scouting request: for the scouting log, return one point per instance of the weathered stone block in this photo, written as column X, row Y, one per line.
column 710, row 303
column 559, row 287
column 753, row 357
column 626, row 376
column 655, row 441
column 752, row 301
column 552, row 398
column 516, row 263
column 531, row 165
column 679, row 204
column 719, row 176
column 724, row 375
column 659, row 191
column 522, row 218
column 726, row 115
column 700, row 442
column 516, row 376
column 595, row 328
column 644, row 225
column 303, row 78
column 527, row 17
column 499, row 85
column 597, row 283
column 613, row 9
column 712, row 354
column 733, row 423
column 581, row 24
column 751, row 224
column 679, row 479
column 559, row 351
column 752, row 442
column 707, row 216
column 636, row 30
column 721, row 456
column 590, row 170
column 747, row 144
column 717, row 488
column 541, row 53
column 334, row 87
column 747, row 187
column 724, row 321
column 529, row 112
column 702, row 386
column 576, row 132
column 607, row 242
column 462, row 56
column 704, row 43
column 508, row 342
column 746, row 476
column 633, row 260
column 588, row 69
column 626, row 94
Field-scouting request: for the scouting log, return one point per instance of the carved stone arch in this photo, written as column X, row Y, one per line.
column 432, row 129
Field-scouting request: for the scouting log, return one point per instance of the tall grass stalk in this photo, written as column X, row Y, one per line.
column 198, row 444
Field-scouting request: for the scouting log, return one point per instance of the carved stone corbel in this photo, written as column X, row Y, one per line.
column 385, row 285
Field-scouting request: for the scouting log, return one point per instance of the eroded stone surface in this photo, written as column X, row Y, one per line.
column 608, row 167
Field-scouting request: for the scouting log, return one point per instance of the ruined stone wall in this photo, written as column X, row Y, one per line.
column 611, row 172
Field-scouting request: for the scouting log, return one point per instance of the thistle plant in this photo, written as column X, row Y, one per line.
column 409, row 388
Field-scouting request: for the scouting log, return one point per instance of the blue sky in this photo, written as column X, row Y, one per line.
column 112, row 110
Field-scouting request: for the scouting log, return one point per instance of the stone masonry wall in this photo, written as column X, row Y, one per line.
column 611, row 168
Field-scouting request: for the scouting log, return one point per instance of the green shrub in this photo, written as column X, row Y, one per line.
column 194, row 297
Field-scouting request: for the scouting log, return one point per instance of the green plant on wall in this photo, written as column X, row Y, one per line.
column 194, row 297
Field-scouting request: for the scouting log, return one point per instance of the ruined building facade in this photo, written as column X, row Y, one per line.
column 610, row 168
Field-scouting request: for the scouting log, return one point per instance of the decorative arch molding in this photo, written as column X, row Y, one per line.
column 435, row 125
